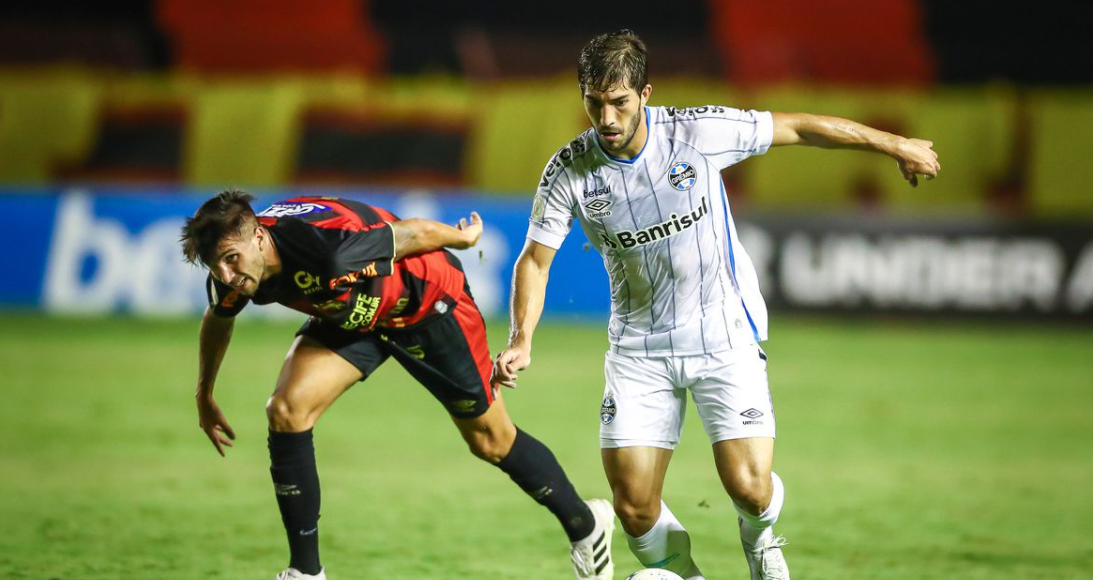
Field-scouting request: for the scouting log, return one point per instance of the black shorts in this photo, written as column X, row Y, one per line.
column 448, row 354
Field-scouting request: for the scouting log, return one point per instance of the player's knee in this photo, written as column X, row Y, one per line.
column 286, row 415
column 750, row 490
column 489, row 446
column 637, row 512
column 490, row 437
column 486, row 449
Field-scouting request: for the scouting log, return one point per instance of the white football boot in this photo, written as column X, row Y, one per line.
column 592, row 556
column 294, row 574
column 765, row 558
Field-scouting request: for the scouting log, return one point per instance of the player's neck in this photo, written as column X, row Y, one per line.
column 273, row 260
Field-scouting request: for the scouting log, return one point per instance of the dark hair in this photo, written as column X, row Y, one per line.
column 613, row 60
column 221, row 216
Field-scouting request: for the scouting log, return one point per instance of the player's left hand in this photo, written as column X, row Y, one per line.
column 916, row 157
column 471, row 230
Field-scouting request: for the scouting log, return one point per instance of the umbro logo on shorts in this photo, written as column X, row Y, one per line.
column 753, row 414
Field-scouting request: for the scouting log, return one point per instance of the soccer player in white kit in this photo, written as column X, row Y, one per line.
column 686, row 311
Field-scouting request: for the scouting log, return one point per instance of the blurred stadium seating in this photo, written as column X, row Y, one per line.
column 476, row 95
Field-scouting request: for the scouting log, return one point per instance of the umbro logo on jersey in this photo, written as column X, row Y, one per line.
column 597, row 208
column 682, row 176
column 598, row 205
column 670, row 227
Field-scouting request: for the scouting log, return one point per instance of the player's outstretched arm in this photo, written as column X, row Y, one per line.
column 529, row 281
column 216, row 333
column 914, row 157
column 418, row 236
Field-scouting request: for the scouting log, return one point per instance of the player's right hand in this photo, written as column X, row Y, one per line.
column 213, row 423
column 917, row 157
column 471, row 230
column 508, row 363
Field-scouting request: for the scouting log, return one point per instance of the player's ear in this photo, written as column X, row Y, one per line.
column 648, row 90
column 260, row 234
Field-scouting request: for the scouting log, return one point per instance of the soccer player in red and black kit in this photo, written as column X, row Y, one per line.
column 375, row 287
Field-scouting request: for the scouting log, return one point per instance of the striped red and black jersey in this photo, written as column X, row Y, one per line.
column 337, row 263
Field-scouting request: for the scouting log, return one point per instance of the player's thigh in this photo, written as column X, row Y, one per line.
column 321, row 365
column 731, row 393
column 642, row 406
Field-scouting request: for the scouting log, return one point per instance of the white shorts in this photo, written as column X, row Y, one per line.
column 644, row 401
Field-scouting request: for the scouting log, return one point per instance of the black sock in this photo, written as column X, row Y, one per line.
column 296, row 483
column 533, row 467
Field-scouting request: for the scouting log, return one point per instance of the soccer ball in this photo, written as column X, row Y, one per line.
column 654, row 574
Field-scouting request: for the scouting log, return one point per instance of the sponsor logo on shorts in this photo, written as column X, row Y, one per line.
column 464, row 406
column 682, row 176
column 753, row 415
column 608, row 409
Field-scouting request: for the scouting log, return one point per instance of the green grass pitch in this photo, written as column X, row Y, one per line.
column 909, row 451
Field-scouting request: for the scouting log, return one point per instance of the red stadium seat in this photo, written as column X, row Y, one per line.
column 875, row 42
column 272, row 35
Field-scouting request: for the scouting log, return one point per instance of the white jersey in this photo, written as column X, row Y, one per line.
column 681, row 283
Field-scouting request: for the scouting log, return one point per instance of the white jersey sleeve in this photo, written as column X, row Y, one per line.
column 723, row 135
column 553, row 208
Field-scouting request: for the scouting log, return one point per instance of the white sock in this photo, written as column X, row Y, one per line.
column 755, row 528
column 667, row 545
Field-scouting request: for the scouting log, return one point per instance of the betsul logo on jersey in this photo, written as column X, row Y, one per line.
column 682, row 176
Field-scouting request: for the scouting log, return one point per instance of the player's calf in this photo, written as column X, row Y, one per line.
column 296, row 485
column 532, row 466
